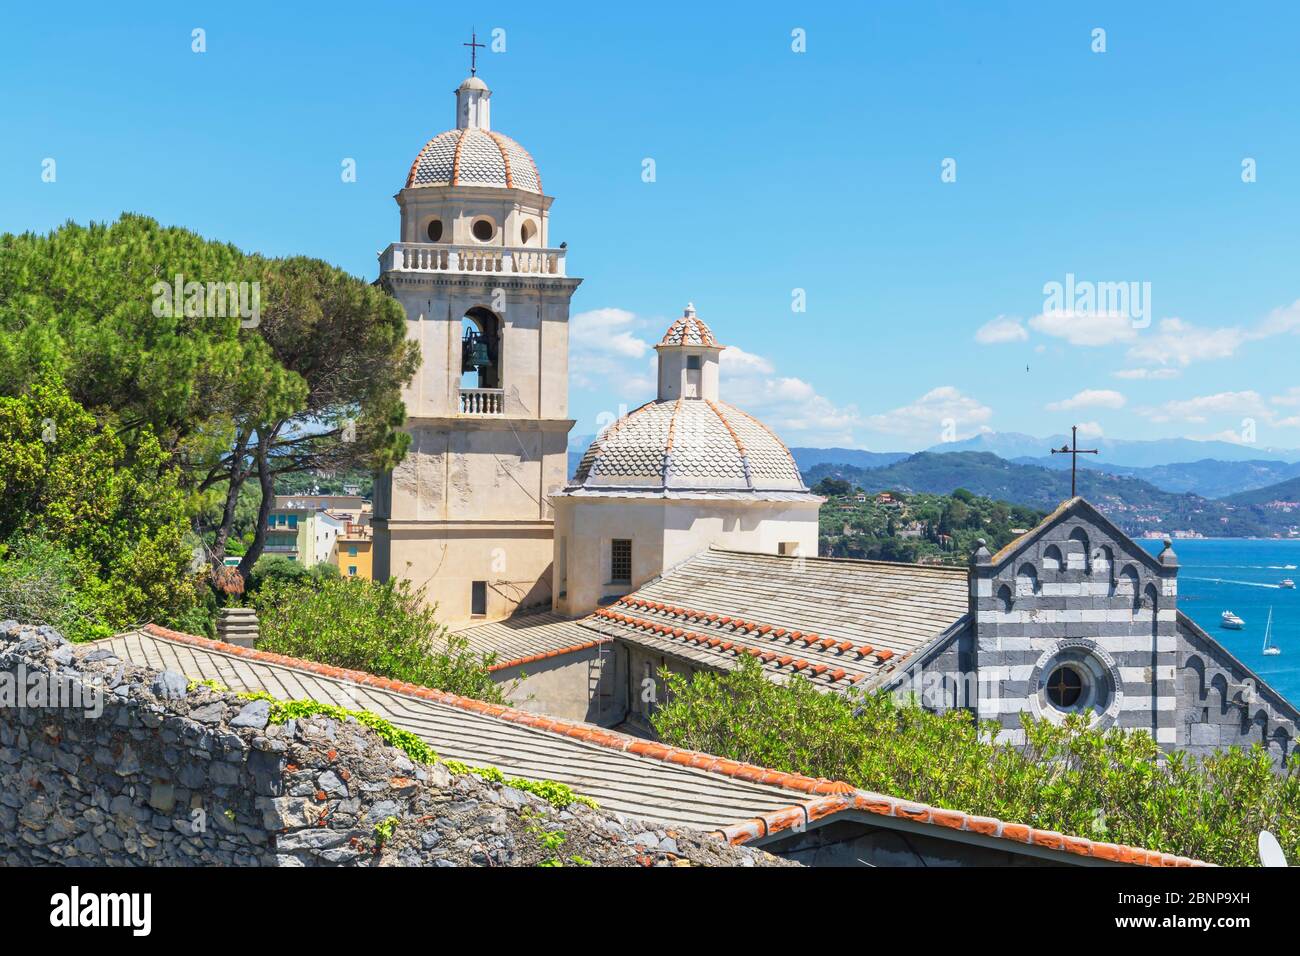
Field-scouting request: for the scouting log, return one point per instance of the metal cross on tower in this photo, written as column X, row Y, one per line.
column 474, row 47
column 1074, row 451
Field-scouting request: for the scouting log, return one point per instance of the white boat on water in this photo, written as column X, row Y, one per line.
column 1268, row 629
column 1286, row 583
column 1231, row 621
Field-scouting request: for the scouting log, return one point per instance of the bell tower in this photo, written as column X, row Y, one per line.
column 466, row 515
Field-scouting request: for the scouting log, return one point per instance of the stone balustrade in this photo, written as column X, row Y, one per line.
column 482, row 401
column 440, row 257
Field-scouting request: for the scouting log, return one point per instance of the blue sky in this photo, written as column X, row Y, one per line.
column 775, row 171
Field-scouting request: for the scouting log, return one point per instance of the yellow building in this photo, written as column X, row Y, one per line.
column 356, row 553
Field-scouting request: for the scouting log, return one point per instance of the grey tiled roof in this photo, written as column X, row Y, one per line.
column 865, row 618
column 543, row 634
column 652, row 790
column 688, row 444
column 475, row 157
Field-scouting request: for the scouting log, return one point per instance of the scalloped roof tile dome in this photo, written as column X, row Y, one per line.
column 688, row 444
column 475, row 157
column 474, row 154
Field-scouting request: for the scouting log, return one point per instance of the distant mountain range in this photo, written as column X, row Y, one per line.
column 1212, row 487
column 1138, row 454
column 1135, row 505
column 1212, row 469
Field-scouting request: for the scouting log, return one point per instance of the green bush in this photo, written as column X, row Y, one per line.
column 1108, row 785
column 42, row 583
column 116, row 516
column 380, row 628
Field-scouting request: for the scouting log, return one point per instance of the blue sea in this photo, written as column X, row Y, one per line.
column 1241, row 575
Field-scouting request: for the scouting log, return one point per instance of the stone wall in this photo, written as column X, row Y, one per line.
column 106, row 763
column 1221, row 703
column 1077, row 596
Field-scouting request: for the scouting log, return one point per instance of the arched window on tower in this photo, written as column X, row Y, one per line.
column 480, row 349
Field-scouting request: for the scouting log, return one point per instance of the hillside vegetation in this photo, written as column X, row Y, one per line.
column 919, row 527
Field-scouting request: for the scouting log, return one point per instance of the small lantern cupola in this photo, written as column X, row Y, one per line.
column 472, row 106
column 688, row 360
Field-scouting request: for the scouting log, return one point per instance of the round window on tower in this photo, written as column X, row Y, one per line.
column 483, row 229
column 434, row 231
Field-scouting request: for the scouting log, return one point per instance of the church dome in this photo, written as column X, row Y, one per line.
column 688, row 445
column 690, row 329
column 688, row 440
column 475, row 157
column 474, row 154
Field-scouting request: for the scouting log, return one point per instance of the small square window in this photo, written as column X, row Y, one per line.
column 352, row 570
column 478, row 597
column 352, row 551
column 620, row 561
column 788, row 548
column 692, row 363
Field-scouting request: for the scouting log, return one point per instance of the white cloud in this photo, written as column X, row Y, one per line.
column 736, row 361
column 1089, row 398
column 607, row 331
column 1089, row 430
column 1002, row 329
column 942, row 413
column 1147, row 374
column 1200, row 408
column 790, row 406
column 1180, row 343
column 1085, row 328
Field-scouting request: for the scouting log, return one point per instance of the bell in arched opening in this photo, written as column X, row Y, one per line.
column 474, row 353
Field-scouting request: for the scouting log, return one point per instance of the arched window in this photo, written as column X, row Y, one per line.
column 1026, row 580
column 1052, row 558
column 528, row 232
column 1004, row 598
column 480, row 349
column 1077, row 556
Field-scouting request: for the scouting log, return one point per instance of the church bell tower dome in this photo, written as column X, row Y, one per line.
column 474, row 154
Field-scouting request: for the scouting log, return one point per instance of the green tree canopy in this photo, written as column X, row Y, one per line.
column 299, row 369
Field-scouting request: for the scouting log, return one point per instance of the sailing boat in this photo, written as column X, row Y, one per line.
column 1270, row 651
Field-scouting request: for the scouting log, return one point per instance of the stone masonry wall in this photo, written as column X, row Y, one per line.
column 1221, row 703
column 1078, row 593
column 106, row 763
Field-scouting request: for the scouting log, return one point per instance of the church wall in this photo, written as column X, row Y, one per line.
column 589, row 686
column 941, row 677
column 1078, row 593
column 494, row 471
column 588, row 527
column 691, row 527
column 514, row 560
column 1222, row 703
column 663, row 534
